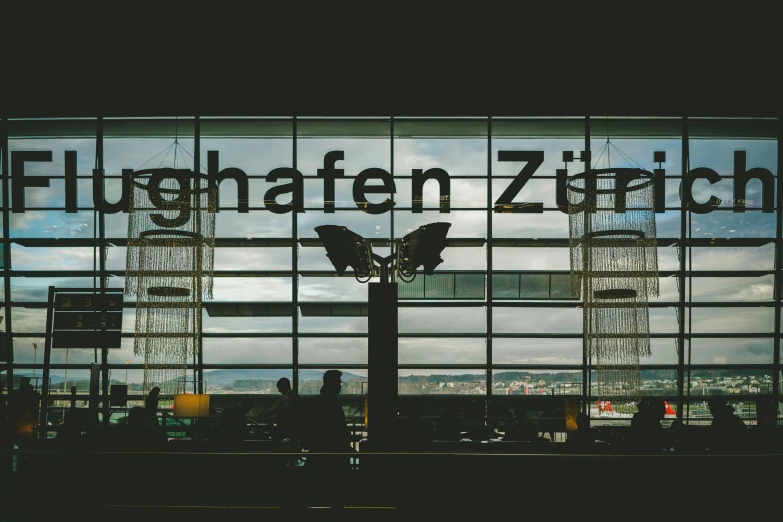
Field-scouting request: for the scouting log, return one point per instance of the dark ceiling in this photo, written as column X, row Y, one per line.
column 556, row 80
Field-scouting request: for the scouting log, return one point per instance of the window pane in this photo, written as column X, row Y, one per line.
column 536, row 320
column 531, row 258
column 239, row 258
column 459, row 193
column 731, row 351
column 442, row 320
column 333, row 324
column 732, row 258
column 246, row 324
column 244, row 381
column 443, row 350
column 654, row 382
column 36, row 289
column 252, row 289
column 53, row 224
column 733, row 288
column 442, row 382
column 732, row 320
column 331, row 350
column 537, row 351
column 728, row 382
column 318, row 289
column 354, row 382
column 245, row 350
column 536, row 382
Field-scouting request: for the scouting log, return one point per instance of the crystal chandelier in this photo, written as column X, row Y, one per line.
column 614, row 264
column 170, row 257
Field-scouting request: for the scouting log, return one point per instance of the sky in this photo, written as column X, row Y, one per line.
column 460, row 158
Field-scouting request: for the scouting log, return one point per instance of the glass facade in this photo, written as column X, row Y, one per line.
column 496, row 319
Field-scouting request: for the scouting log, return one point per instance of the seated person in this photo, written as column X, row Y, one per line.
column 646, row 429
column 413, row 429
column 727, row 430
column 449, row 426
column 139, row 433
column 583, row 434
column 232, row 427
column 72, row 433
column 285, row 412
column 520, row 427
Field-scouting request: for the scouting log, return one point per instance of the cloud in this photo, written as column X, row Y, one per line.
column 460, row 158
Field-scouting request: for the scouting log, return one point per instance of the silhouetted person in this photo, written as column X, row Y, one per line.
column 549, row 422
column 232, row 428
column 151, row 405
column 414, row 430
column 285, row 411
column 23, row 411
column 6, row 435
column 448, row 426
column 72, row 433
column 727, row 431
column 329, row 434
column 646, row 428
column 582, row 436
column 766, row 421
column 3, row 403
column 141, row 433
column 521, row 428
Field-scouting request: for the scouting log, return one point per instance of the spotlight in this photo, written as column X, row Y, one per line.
column 345, row 248
column 422, row 247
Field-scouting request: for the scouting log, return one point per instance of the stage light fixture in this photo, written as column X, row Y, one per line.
column 345, row 248
column 422, row 247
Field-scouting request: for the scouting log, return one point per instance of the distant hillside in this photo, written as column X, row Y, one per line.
column 221, row 378
column 228, row 377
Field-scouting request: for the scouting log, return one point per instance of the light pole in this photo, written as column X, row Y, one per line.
column 345, row 248
column 35, row 359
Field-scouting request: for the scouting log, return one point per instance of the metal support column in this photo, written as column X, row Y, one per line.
column 586, row 373
column 683, row 246
column 42, row 431
column 490, row 211
column 6, row 255
column 295, row 275
column 778, row 269
column 383, row 373
column 102, row 278
column 198, row 374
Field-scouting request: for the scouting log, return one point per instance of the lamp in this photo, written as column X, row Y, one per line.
column 191, row 405
column 345, row 248
column 422, row 247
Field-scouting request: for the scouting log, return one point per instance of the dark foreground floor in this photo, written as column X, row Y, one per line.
column 225, row 487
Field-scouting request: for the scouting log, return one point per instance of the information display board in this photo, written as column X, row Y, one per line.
column 87, row 320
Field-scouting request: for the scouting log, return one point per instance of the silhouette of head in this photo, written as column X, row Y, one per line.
column 245, row 405
column 582, row 421
column 283, row 384
column 643, row 406
column 136, row 416
column 24, row 382
column 717, row 407
column 658, row 408
column 332, row 381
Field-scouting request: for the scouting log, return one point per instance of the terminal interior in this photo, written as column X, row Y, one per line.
column 456, row 279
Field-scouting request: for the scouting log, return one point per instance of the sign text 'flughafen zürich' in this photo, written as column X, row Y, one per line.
column 529, row 160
